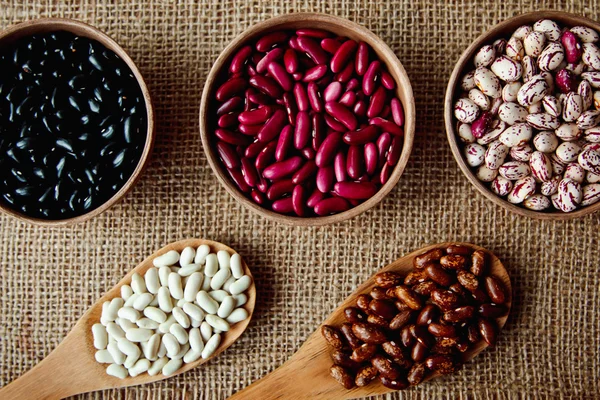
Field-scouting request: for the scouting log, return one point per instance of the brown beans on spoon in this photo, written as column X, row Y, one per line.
column 412, row 346
column 314, row 108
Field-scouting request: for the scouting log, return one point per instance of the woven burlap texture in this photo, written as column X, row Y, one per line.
column 48, row 277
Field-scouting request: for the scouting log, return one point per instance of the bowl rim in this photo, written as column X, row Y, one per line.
column 83, row 29
column 490, row 34
column 385, row 54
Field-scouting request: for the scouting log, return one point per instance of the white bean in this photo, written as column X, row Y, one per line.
column 224, row 259
column 154, row 302
column 115, row 331
column 226, row 307
column 164, row 299
column 155, row 314
column 195, row 339
column 189, row 269
column 138, row 284
column 180, row 333
column 172, row 366
column 207, row 303
column 103, row 316
column 201, row 254
column 139, row 367
column 211, row 345
column 240, row 285
column 164, row 327
column 104, row 357
column 117, row 371
column 220, row 278
column 191, row 356
column 142, row 301
column 162, row 350
column 237, row 315
column 167, row 259
column 218, row 295
column 181, row 317
column 240, row 299
column 184, row 349
column 157, row 366
column 237, row 270
column 195, row 323
column 217, row 322
column 131, row 300
column 228, row 283
column 113, row 308
column 175, row 286
column 181, row 302
column 212, row 265
column 187, row 256
column 125, row 324
column 100, row 336
column 151, row 350
column 117, row 355
column 147, row 323
column 126, row 292
column 128, row 348
column 163, row 275
column 129, row 313
column 171, row 344
column 132, row 359
column 206, row 283
column 192, row 287
column 152, row 280
column 206, row 331
column 193, row 311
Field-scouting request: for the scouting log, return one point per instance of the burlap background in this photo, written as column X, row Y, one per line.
column 48, row 277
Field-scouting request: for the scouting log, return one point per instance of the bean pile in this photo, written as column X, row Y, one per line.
column 308, row 122
column 174, row 314
column 72, row 125
column 409, row 327
column 530, row 117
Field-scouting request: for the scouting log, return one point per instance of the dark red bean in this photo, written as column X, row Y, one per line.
column 233, row 104
column 273, row 126
column 271, row 56
column 314, row 33
column 315, row 73
column 250, row 172
column 231, row 88
column 284, row 143
column 258, row 197
column 282, row 169
column 266, row 155
column 397, row 112
column 315, row 198
column 339, row 167
column 250, row 130
column 360, row 108
column 348, row 99
column 377, row 102
column 330, row 45
column 342, row 114
column 355, row 162
column 283, row 206
column 255, row 117
column 319, row 130
column 355, row 190
column 293, row 43
column 301, row 97
column 387, row 126
column 343, row 55
column 371, row 158
column 256, row 97
column 239, row 59
column 313, row 49
column 228, row 155
column 290, row 60
column 280, row 188
column 227, row 120
column 308, row 152
column 298, row 200
column 331, row 205
column 387, row 81
column 233, row 138
column 290, row 107
column 333, row 123
column 346, row 74
column 269, row 40
column 308, row 170
column 253, row 149
column 266, row 85
column 386, row 172
column 302, row 130
column 362, row 136
column 332, row 92
column 352, row 84
column 370, row 78
column 362, row 59
column 327, row 150
column 278, row 72
column 314, row 97
column 325, row 179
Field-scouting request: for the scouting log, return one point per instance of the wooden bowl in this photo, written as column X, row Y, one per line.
column 45, row 25
column 340, row 27
column 505, row 29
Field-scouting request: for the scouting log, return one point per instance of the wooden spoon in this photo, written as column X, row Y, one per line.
column 306, row 374
column 71, row 368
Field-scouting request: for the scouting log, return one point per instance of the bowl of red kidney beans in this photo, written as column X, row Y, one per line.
column 307, row 119
column 76, row 122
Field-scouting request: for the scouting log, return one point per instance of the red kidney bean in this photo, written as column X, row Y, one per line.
column 370, row 78
column 250, row 172
column 284, row 143
column 251, row 70
column 355, row 190
column 355, row 162
column 239, row 59
column 232, row 138
column 266, row 155
column 362, row 59
column 266, row 85
column 227, row 120
column 362, row 136
column 256, row 97
column 327, row 150
column 262, row 185
column 298, row 196
column 314, row 50
column 315, row 73
column 339, row 166
column 301, row 97
column 290, row 107
column 383, row 145
column 387, row 126
column 333, row 123
column 253, row 149
column 306, row 171
column 297, row 76
column 273, row 126
column 308, row 152
column 346, row 74
column 315, row 198
column 302, row 130
column 258, row 197
column 371, row 158
column 387, row 81
column 397, row 112
column 228, row 155
column 342, row 114
column 395, row 151
column 233, row 104
column 278, row 72
column 325, row 179
column 271, row 39
column 330, row 45
column 352, row 84
column 319, row 131
column 250, row 130
column 283, row 206
column 348, row 99
column 332, row 92
column 238, row 178
column 280, row 188
column 314, row 97
column 377, row 102
column 255, row 117
column 290, row 60
column 314, row 33
column 272, row 56
column 230, row 88
column 282, row 169
column 331, row 205
column 386, row 112
column 293, row 43
column 360, row 108
column 343, row 55
column 385, row 173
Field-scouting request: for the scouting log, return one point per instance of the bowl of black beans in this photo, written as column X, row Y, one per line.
column 76, row 122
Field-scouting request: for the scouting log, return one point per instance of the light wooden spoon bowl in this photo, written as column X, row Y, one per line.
column 71, row 368
column 306, row 374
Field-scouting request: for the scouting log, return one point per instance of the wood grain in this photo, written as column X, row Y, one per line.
column 306, row 374
column 504, row 29
column 340, row 27
column 44, row 25
column 72, row 369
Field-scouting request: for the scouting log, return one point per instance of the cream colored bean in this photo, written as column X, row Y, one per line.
column 226, row 307
column 180, row 333
column 166, row 260
column 100, row 336
column 512, row 113
column 175, row 286
column 206, row 331
column 237, row 315
column 125, row 324
column 163, row 275
column 138, row 284
column 129, row 314
column 181, row 317
column 117, row 371
column 237, row 269
column 206, row 302
column 522, row 189
column 117, row 355
column 516, row 135
column 157, row 366
column 515, row 49
column 568, row 132
column 468, row 81
column 549, row 28
column 164, row 327
column 474, row 154
column 193, row 285
column 195, row 339
column 218, row 295
column 541, row 167
column 189, row 269
column 147, row 323
column 465, row 134
column 488, row 83
column 511, row 90
column 201, row 253
column 191, row 356
column 240, row 299
column 103, row 357
column 217, row 322
column 187, row 256
column 164, row 299
column 464, row 110
column 537, row 202
column 115, row 331
column 212, row 265
column 139, row 367
column 193, row 311
column 533, row 91
column 220, row 278
column 131, row 300
column 171, row 344
column 485, row 174
column 152, row 280
column 211, row 346
column 507, row 69
column 552, row 106
column 569, row 195
column 542, row 121
column 546, row 142
column 575, row 171
column 172, row 366
column 240, row 285
column 126, row 292
column 142, row 301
